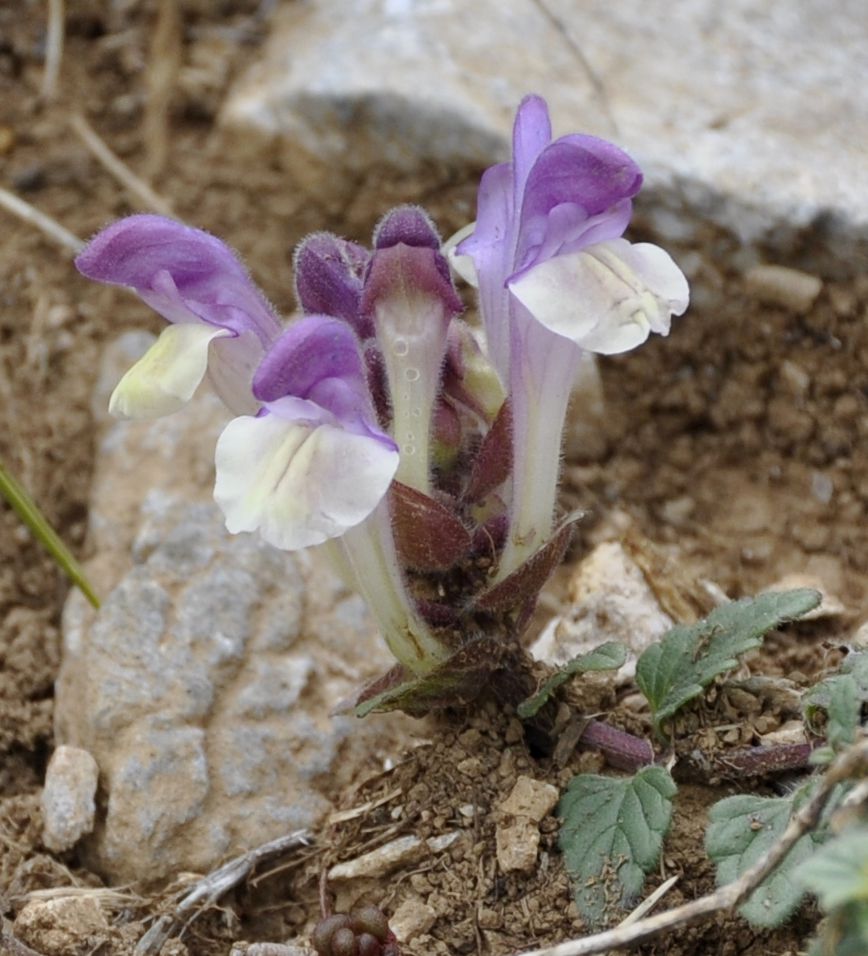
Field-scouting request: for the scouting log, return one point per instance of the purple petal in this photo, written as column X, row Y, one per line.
column 531, row 133
column 311, row 349
column 328, row 277
column 400, row 268
column 184, row 273
column 567, row 228
column 583, row 170
column 410, row 225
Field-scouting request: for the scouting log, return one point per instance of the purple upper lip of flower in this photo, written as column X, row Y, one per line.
column 554, row 197
column 185, row 274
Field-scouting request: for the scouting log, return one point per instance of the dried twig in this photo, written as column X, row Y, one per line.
column 30, row 214
column 852, row 763
column 53, row 49
column 135, row 186
column 210, row 888
column 161, row 79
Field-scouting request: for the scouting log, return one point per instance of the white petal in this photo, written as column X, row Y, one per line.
column 231, row 366
column 608, row 297
column 298, row 482
column 463, row 265
column 166, row 376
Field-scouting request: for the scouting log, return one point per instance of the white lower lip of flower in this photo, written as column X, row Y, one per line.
column 299, row 483
column 168, row 374
column 608, row 297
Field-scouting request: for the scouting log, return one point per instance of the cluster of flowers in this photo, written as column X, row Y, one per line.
column 420, row 452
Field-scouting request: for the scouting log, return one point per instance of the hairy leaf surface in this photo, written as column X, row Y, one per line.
column 607, row 657
column 611, row 835
column 741, row 832
column 690, row 656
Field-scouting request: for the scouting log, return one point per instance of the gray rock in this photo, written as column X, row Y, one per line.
column 203, row 686
column 68, row 807
column 743, row 114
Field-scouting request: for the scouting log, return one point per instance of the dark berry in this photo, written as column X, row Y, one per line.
column 344, row 943
column 370, row 919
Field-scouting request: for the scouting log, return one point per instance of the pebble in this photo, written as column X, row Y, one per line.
column 59, row 925
column 611, row 602
column 530, row 798
column 411, row 919
column 779, row 285
column 517, row 844
column 68, row 806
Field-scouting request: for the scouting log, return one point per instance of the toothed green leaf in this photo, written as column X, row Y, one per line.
column 741, row 832
column 842, row 697
column 612, row 831
column 690, row 656
column 607, row 657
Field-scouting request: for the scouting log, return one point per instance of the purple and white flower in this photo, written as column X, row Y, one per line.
column 556, row 277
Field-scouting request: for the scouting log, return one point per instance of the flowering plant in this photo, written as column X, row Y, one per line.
column 421, row 453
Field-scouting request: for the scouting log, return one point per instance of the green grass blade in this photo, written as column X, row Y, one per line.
column 24, row 506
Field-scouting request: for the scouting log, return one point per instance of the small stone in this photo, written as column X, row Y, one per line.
column 517, row 845
column 68, row 806
column 792, row 732
column 795, row 378
column 69, row 924
column 779, row 285
column 530, row 798
column 611, row 602
column 470, row 767
column 411, row 919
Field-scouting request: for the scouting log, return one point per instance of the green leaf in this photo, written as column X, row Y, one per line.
column 838, row 872
column 690, row 656
column 741, row 832
column 842, row 697
column 607, row 657
column 26, row 509
column 611, row 835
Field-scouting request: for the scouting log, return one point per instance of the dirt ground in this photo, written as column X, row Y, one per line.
column 739, row 443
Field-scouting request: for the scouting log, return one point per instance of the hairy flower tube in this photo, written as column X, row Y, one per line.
column 422, row 453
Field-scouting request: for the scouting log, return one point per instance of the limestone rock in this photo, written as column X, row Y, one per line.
column 774, row 141
column 203, row 686
column 57, row 927
column 611, row 602
column 68, row 806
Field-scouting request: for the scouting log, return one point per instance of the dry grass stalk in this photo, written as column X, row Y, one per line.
column 53, row 48
column 135, row 186
column 161, row 79
column 48, row 226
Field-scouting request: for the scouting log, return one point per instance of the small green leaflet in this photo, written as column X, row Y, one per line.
column 611, row 835
column 838, row 873
column 842, row 697
column 607, row 657
column 741, row 832
column 690, row 656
